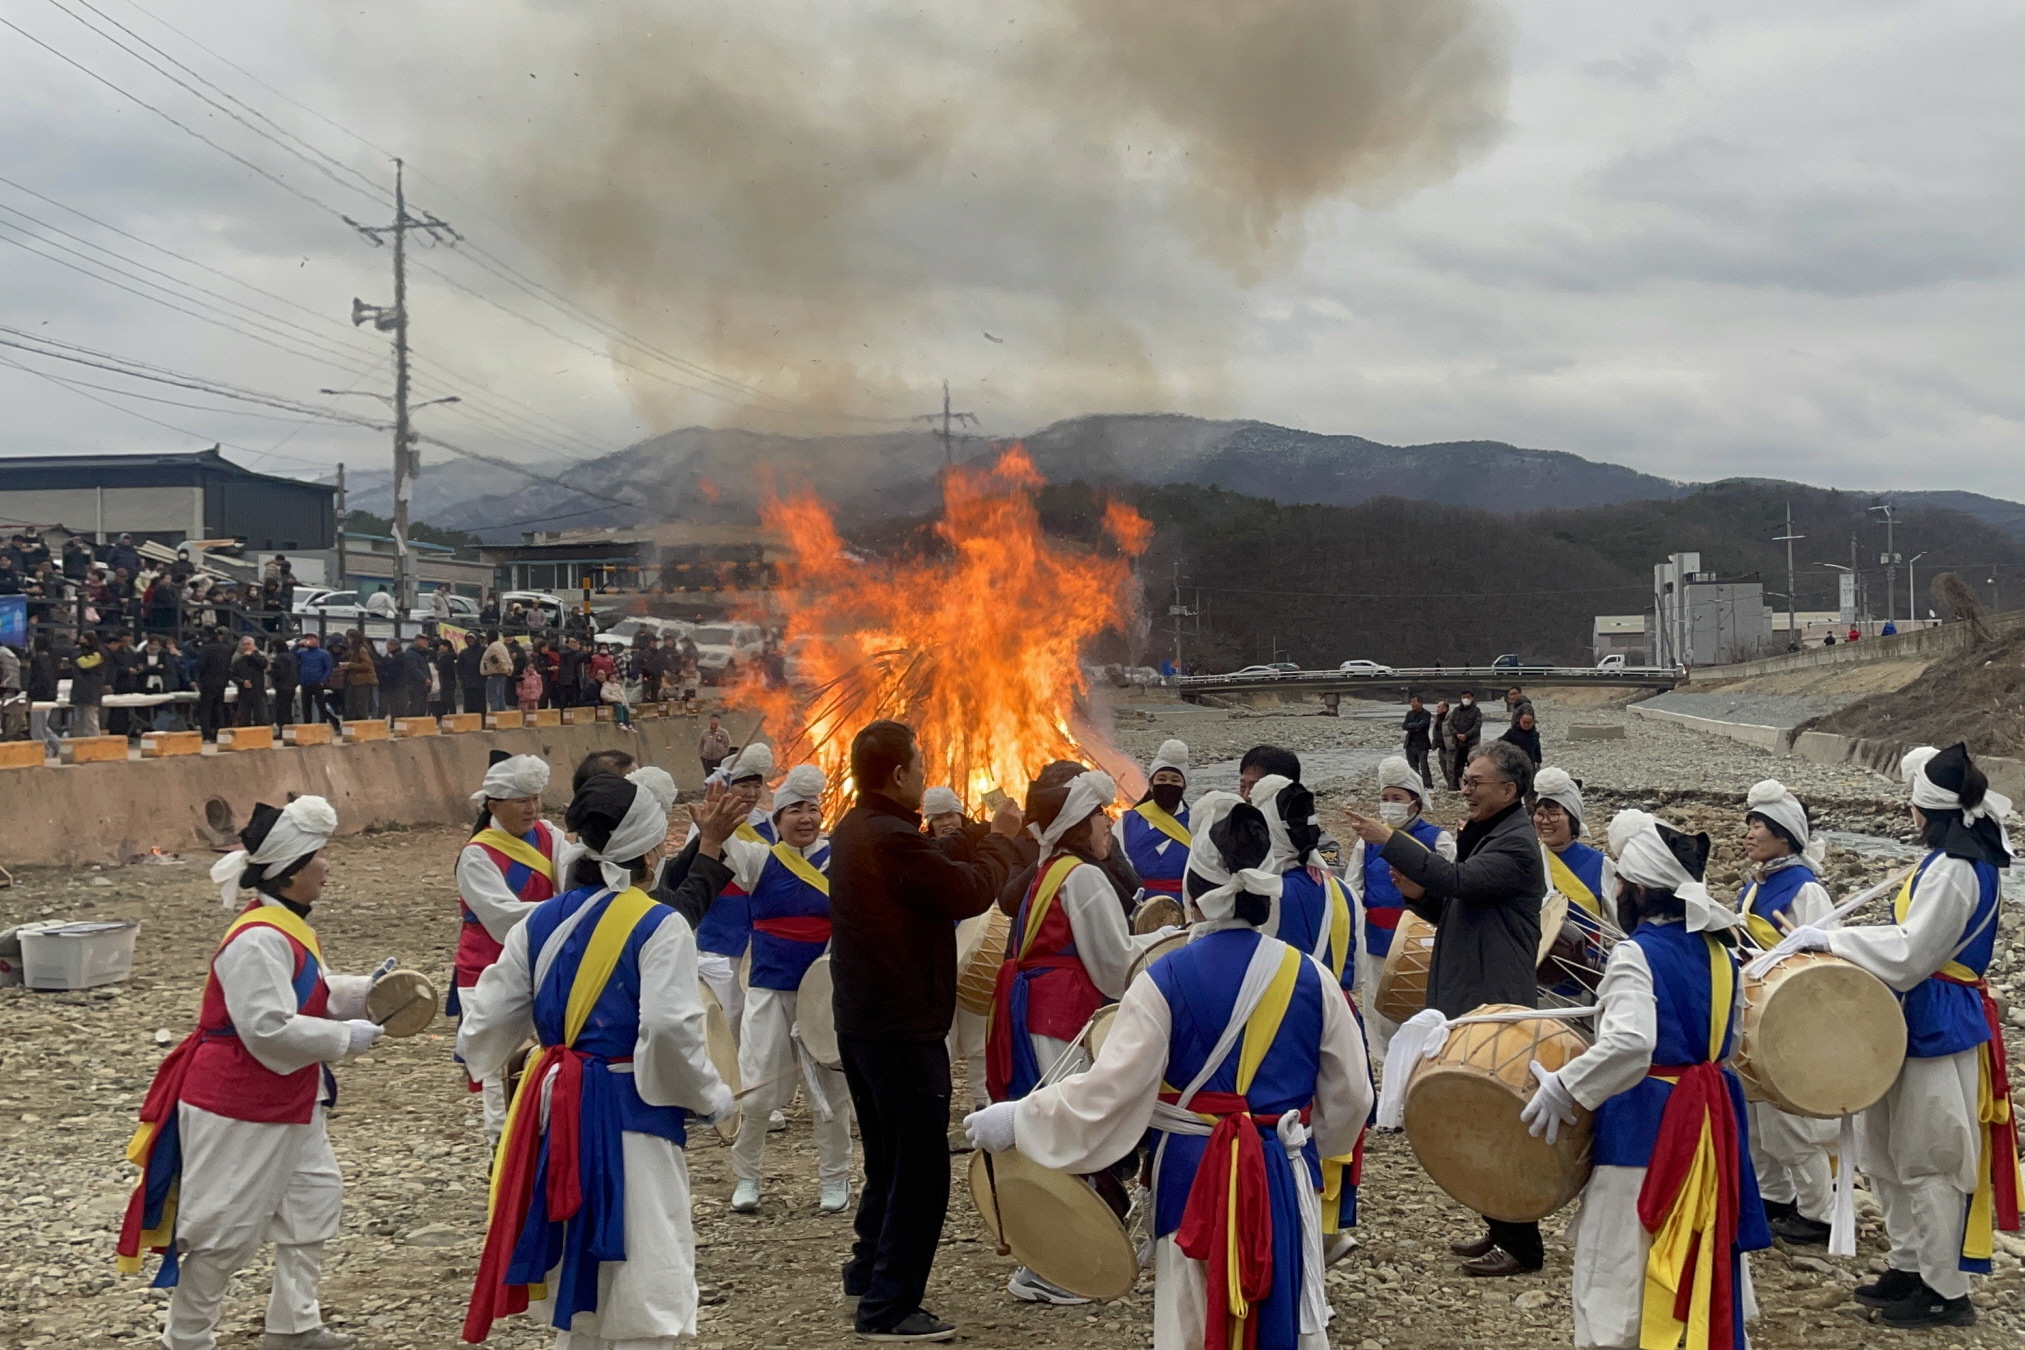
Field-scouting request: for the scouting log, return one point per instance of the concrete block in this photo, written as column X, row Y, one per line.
column 1609, row 731
column 415, row 726
column 165, row 744
column 511, row 720
column 21, row 754
column 545, row 717
column 459, row 722
column 308, row 733
column 604, row 713
column 576, row 717
column 94, row 750
column 367, row 729
column 245, row 738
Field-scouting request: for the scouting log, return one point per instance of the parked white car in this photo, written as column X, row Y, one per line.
column 723, row 647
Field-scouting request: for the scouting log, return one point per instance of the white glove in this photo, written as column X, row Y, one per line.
column 992, row 1128
column 364, row 1034
column 1551, row 1106
column 384, row 969
column 1806, row 938
column 723, row 1105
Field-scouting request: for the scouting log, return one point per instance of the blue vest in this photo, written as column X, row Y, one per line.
column 1773, row 897
column 1305, row 907
column 728, row 926
column 780, row 962
column 1587, row 865
column 1200, row 983
column 1381, row 896
column 1943, row 1017
column 1154, row 855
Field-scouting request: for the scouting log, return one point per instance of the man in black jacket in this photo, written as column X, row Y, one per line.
column 1465, row 729
column 416, row 661
column 469, row 677
column 895, row 897
column 214, row 672
column 1485, row 907
column 1417, row 727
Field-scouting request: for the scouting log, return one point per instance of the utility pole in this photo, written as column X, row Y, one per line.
column 394, row 319
column 947, row 434
column 1792, row 633
column 1177, row 611
column 1890, row 561
column 341, row 529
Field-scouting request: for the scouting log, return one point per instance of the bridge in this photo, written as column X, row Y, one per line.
column 1430, row 682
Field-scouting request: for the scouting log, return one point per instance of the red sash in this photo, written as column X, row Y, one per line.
column 1700, row 1099
column 2002, row 1144
column 1164, row 885
column 795, row 927
column 1229, row 1214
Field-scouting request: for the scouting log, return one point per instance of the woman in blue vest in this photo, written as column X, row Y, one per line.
column 1781, row 893
column 1941, row 1147
column 1672, row 1204
column 1402, row 797
column 788, row 888
column 1154, row 834
column 1580, row 873
column 1241, row 1055
column 727, row 929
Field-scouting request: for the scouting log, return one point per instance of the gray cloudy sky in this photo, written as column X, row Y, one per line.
column 1703, row 238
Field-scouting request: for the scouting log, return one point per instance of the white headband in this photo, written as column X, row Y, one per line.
column 1644, row 860
column 804, row 783
column 1206, row 861
column 755, row 761
column 657, row 781
column 515, row 776
column 1928, row 795
column 305, row 826
column 1772, row 800
column 939, row 801
column 1555, row 785
column 1266, row 796
column 1173, row 755
column 1395, row 771
column 645, row 825
column 1089, row 791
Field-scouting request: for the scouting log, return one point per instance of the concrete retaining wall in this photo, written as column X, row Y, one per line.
column 107, row 813
column 1776, row 739
column 1822, row 747
column 1929, row 643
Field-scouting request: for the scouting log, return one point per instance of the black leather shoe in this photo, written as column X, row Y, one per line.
column 1924, row 1308
column 1495, row 1263
column 1470, row 1251
column 1800, row 1230
column 1889, row 1288
column 919, row 1325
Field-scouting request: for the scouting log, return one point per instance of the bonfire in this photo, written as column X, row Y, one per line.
column 978, row 648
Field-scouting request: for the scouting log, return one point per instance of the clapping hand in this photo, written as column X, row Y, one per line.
column 715, row 818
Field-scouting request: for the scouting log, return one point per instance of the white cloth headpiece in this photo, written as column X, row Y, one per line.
column 1173, row 755
column 1928, row 795
column 1555, row 785
column 1206, row 861
column 804, row 783
column 1395, row 771
column 645, row 825
column 657, row 781
column 755, row 761
column 1776, row 803
column 514, row 776
column 305, row 826
column 1644, row 860
column 1092, row 790
column 1266, row 796
column 939, row 801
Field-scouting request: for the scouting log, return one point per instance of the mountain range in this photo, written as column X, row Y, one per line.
column 705, row 474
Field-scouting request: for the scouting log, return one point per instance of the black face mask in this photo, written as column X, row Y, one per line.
column 1167, row 796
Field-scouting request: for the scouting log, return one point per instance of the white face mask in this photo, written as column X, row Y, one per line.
column 1395, row 813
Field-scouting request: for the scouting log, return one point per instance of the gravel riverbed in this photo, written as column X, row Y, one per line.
column 73, row 1069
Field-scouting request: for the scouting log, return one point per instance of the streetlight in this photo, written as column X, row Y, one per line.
column 1851, row 573
column 1912, row 603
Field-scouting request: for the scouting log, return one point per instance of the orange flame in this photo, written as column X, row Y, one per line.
column 977, row 650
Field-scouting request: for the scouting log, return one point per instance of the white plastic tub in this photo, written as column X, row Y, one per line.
column 84, row 954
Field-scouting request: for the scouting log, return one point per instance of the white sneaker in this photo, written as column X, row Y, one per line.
column 775, row 1122
column 316, row 1338
column 1031, row 1288
column 836, row 1195
column 1337, row 1246
column 745, row 1197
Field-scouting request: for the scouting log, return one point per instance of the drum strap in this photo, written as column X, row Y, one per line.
column 1150, row 812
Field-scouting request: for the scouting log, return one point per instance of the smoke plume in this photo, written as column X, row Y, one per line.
column 837, row 204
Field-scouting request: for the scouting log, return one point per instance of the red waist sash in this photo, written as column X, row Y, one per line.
column 1700, row 1099
column 1165, row 885
column 1228, row 1220
column 795, row 928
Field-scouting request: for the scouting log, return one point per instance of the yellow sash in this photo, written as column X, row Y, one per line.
column 1757, row 925
column 1338, row 901
column 1692, row 1220
column 1260, row 1030
column 748, row 834
column 282, row 917
column 792, row 859
column 1565, row 881
column 1044, row 899
column 518, row 849
column 1150, row 812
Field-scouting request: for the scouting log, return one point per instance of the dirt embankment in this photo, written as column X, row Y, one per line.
column 1976, row 696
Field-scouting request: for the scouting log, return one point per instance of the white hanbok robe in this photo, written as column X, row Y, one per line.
column 649, row 1299
column 247, row 1182
column 1790, row 1152
column 1919, row 1144
column 1378, row 1028
column 1089, row 1121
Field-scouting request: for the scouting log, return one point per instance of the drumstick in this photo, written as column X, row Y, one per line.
column 747, row 1092
column 997, row 1219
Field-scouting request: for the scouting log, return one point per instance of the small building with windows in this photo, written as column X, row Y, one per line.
column 1620, row 635
column 559, row 561
column 168, row 498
